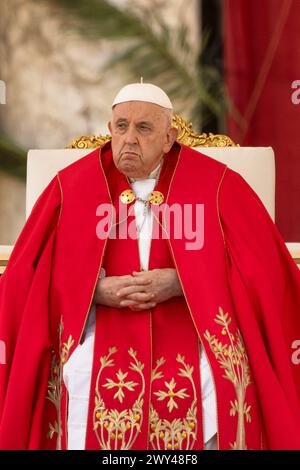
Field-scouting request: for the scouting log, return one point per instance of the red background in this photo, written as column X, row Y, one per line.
column 262, row 59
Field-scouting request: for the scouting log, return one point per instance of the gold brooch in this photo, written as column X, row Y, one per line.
column 155, row 197
column 127, row 196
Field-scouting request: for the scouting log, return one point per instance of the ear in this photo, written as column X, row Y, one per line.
column 109, row 126
column 170, row 138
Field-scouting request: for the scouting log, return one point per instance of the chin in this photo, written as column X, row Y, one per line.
column 128, row 170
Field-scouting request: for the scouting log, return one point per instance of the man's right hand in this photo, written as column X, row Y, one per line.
column 107, row 288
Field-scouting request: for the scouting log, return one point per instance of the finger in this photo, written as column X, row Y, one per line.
column 129, row 290
column 140, row 296
column 127, row 280
column 130, row 280
column 143, row 306
column 135, row 286
column 126, row 277
column 139, row 280
column 140, row 273
column 127, row 302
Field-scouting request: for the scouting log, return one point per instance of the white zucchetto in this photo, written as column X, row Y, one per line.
column 143, row 92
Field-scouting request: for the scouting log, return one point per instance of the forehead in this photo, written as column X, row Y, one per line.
column 138, row 111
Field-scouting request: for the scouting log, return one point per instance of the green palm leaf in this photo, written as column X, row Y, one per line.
column 154, row 51
column 12, row 157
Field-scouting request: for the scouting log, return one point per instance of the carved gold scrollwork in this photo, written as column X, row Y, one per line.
column 186, row 136
column 89, row 142
column 189, row 137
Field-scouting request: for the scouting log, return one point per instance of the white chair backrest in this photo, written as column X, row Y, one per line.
column 42, row 166
column 255, row 164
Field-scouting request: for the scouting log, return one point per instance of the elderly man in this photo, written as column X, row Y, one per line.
column 129, row 329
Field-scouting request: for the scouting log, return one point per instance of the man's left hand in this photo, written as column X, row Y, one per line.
column 165, row 285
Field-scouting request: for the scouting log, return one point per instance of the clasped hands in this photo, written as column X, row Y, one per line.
column 139, row 290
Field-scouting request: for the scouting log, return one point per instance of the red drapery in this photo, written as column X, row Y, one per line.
column 262, row 61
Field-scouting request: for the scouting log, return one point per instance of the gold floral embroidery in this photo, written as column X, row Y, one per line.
column 171, row 394
column 54, row 392
column 118, row 430
column 233, row 359
column 120, row 385
column 179, row 433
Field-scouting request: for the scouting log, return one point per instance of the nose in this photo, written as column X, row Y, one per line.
column 131, row 135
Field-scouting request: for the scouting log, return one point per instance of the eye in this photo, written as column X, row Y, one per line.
column 121, row 125
column 144, row 128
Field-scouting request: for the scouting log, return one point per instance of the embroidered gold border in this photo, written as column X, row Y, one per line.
column 232, row 358
column 181, row 433
column 188, row 305
column 111, row 425
column 54, row 390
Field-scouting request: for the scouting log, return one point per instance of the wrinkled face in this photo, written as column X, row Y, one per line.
column 141, row 134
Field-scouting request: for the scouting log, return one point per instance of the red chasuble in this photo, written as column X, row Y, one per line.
column 241, row 304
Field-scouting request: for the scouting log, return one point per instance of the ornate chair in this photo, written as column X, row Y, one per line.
column 255, row 164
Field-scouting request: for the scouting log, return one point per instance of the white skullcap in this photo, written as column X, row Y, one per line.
column 143, row 92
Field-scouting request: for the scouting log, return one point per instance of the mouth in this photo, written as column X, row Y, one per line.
column 129, row 157
column 130, row 154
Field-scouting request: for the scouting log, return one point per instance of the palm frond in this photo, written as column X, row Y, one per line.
column 12, row 157
column 153, row 50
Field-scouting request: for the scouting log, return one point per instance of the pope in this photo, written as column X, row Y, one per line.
column 117, row 339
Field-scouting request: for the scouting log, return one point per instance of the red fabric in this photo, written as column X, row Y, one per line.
column 24, row 325
column 158, row 334
column 243, row 268
column 265, row 287
column 262, row 50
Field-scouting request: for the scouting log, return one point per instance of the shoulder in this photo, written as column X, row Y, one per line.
column 236, row 198
column 86, row 163
column 234, row 184
column 196, row 158
column 195, row 165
